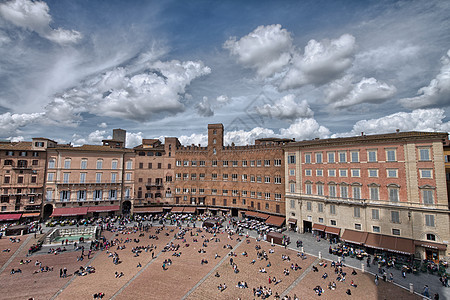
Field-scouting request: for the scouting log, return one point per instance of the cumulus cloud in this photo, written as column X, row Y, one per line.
column 321, row 62
column 305, row 129
column 204, row 108
column 195, row 138
column 343, row 93
column 417, row 120
column 267, row 49
column 241, row 137
column 12, row 123
column 102, row 125
column 286, row 108
column 93, row 138
column 436, row 93
column 133, row 139
column 34, row 16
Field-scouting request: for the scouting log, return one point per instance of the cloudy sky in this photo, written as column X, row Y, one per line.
column 74, row 70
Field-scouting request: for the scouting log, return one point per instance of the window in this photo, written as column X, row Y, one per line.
column 186, row 176
column 392, row 173
column 225, row 177
column 320, row 189
column 39, row 144
column 129, row 164
column 81, row 195
column 99, row 164
column 393, row 195
column 51, row 164
column 427, row 197
column 391, row 155
column 65, row 195
column 319, row 172
column 426, row 173
column 178, row 163
column 234, row 177
column 354, row 156
column 373, row 172
column 266, row 163
column 244, row 177
column 292, row 187
column 424, row 154
column 308, row 206
column 112, row 194
column 357, row 212
column 98, row 195
column 244, row 163
column 291, row 172
column 344, row 191
column 84, row 164
column 8, row 179
column 307, row 158
column 33, row 179
column 395, row 216
column 194, row 163
column 113, row 177
column 22, row 153
column 8, row 162
column 332, row 209
column 332, row 190
column 266, row 179
column 376, row 229
column 277, row 179
column 429, row 220
column 342, row 173
column 374, row 193
column 358, row 226
column 49, row 195
column 50, row 176
column 82, row 177
column 258, row 163
column 333, row 222
column 320, row 207
column 395, row 231
column 9, row 153
column 332, row 173
column 308, row 188
column 225, row 163
column 258, row 179
column 114, row 164
column 308, row 172
column 291, row 159
column 267, row 196
column 277, row 163
column 372, row 156
column 357, row 192
column 375, row 214
column 331, row 157
column 320, row 220
column 292, row 204
column 66, row 177
column 202, row 163
column 214, row 163
column 20, row 179
column 318, row 158
column 128, row 176
column 98, row 177
column 342, row 156
column 431, row 237
column 356, row 173
column 214, row 176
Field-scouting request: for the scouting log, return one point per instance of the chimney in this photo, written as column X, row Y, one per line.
column 362, row 133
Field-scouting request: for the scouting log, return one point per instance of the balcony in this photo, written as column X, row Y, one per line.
column 93, row 183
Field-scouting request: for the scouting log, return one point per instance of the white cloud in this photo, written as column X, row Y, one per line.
column 305, row 129
column 266, row 49
column 286, row 108
column 417, row 120
column 223, row 100
column 204, row 108
column 343, row 93
column 133, row 139
column 34, row 16
column 12, row 123
column 15, row 139
column 102, row 125
column 436, row 93
column 321, row 62
column 195, row 138
column 93, row 138
column 241, row 137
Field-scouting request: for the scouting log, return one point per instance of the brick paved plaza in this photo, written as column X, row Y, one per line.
column 186, row 277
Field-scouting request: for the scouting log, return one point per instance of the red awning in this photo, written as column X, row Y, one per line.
column 177, row 209
column 189, row 210
column 10, row 217
column 275, row 221
column 251, row 213
column 292, row 221
column 69, row 211
column 150, row 210
column 318, row 227
column 390, row 243
column 436, row 246
column 262, row 216
column 332, row 230
column 354, row 237
column 30, row 215
column 103, row 208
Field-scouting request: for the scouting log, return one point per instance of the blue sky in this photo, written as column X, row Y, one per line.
column 74, row 70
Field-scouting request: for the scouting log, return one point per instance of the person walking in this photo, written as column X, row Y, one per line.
column 426, row 291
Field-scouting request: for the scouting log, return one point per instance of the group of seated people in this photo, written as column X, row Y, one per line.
column 221, row 287
column 82, row 271
column 242, row 285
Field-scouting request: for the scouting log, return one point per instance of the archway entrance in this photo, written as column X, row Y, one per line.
column 126, row 207
column 48, row 210
column 234, row 212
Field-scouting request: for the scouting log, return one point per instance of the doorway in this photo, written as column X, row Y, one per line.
column 307, row 226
